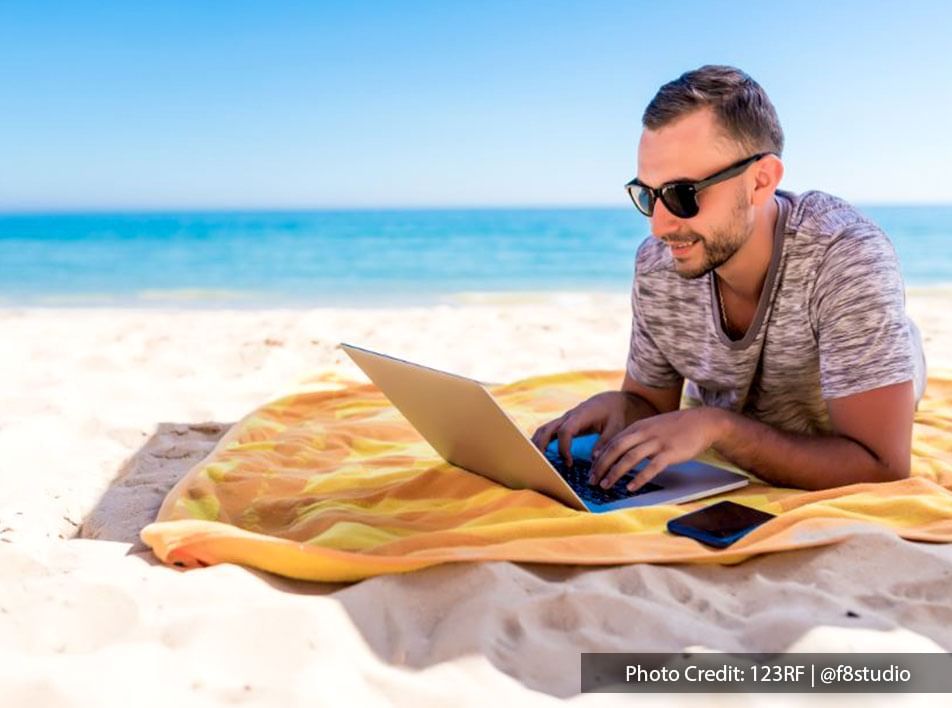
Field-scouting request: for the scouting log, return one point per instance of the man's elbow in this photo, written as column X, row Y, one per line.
column 876, row 471
column 892, row 470
column 888, row 465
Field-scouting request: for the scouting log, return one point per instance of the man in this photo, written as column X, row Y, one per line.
column 784, row 314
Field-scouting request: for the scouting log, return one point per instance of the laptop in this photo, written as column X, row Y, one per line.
column 468, row 428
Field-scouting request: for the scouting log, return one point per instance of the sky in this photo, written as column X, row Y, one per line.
column 281, row 105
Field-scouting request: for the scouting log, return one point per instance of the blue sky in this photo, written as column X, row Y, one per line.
column 235, row 104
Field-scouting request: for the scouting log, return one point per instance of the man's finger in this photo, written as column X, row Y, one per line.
column 537, row 436
column 651, row 470
column 617, row 446
column 543, row 434
column 625, row 463
column 611, row 429
column 567, row 433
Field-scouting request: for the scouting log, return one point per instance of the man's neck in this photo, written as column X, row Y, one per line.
column 746, row 271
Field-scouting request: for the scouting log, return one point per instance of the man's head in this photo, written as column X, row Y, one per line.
column 694, row 127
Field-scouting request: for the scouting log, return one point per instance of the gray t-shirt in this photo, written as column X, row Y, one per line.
column 831, row 321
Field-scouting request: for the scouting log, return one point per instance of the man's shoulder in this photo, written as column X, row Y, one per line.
column 826, row 217
column 833, row 235
column 836, row 243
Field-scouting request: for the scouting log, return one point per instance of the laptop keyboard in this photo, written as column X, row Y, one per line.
column 577, row 477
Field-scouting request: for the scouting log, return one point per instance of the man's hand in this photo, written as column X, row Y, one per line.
column 603, row 413
column 667, row 439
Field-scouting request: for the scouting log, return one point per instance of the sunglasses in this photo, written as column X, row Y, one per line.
column 680, row 198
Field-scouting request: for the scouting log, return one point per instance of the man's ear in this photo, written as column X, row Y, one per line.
column 768, row 171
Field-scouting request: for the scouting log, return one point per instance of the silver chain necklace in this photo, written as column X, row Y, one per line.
column 720, row 298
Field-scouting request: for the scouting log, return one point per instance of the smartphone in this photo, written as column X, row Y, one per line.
column 719, row 525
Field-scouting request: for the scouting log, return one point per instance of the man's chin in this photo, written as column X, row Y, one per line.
column 692, row 273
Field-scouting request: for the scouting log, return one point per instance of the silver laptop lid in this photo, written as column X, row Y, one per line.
column 464, row 424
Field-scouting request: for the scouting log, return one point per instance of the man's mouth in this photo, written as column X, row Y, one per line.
column 681, row 248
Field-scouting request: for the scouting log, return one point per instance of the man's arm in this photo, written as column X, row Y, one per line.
column 871, row 442
column 646, row 401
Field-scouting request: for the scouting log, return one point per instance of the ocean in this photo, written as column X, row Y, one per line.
column 362, row 258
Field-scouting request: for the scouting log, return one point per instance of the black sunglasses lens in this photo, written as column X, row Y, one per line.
column 642, row 198
column 680, row 199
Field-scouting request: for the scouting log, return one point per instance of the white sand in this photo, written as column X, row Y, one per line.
column 104, row 410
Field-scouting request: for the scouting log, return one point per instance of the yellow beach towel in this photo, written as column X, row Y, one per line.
column 331, row 483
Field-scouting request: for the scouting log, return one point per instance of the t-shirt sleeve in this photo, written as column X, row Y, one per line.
column 646, row 363
column 858, row 311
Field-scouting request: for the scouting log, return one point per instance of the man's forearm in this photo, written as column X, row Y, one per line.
column 796, row 460
column 637, row 408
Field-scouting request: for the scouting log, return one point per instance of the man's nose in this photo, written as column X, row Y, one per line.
column 663, row 222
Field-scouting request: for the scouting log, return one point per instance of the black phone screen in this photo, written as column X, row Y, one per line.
column 723, row 519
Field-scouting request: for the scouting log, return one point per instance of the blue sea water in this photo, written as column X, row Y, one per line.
column 367, row 257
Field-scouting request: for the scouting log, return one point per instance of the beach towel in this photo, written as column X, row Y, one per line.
column 331, row 483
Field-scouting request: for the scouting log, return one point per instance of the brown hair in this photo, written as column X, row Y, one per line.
column 740, row 105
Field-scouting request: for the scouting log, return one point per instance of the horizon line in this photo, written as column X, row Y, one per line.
column 305, row 209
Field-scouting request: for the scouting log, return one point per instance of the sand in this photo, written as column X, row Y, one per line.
column 104, row 410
